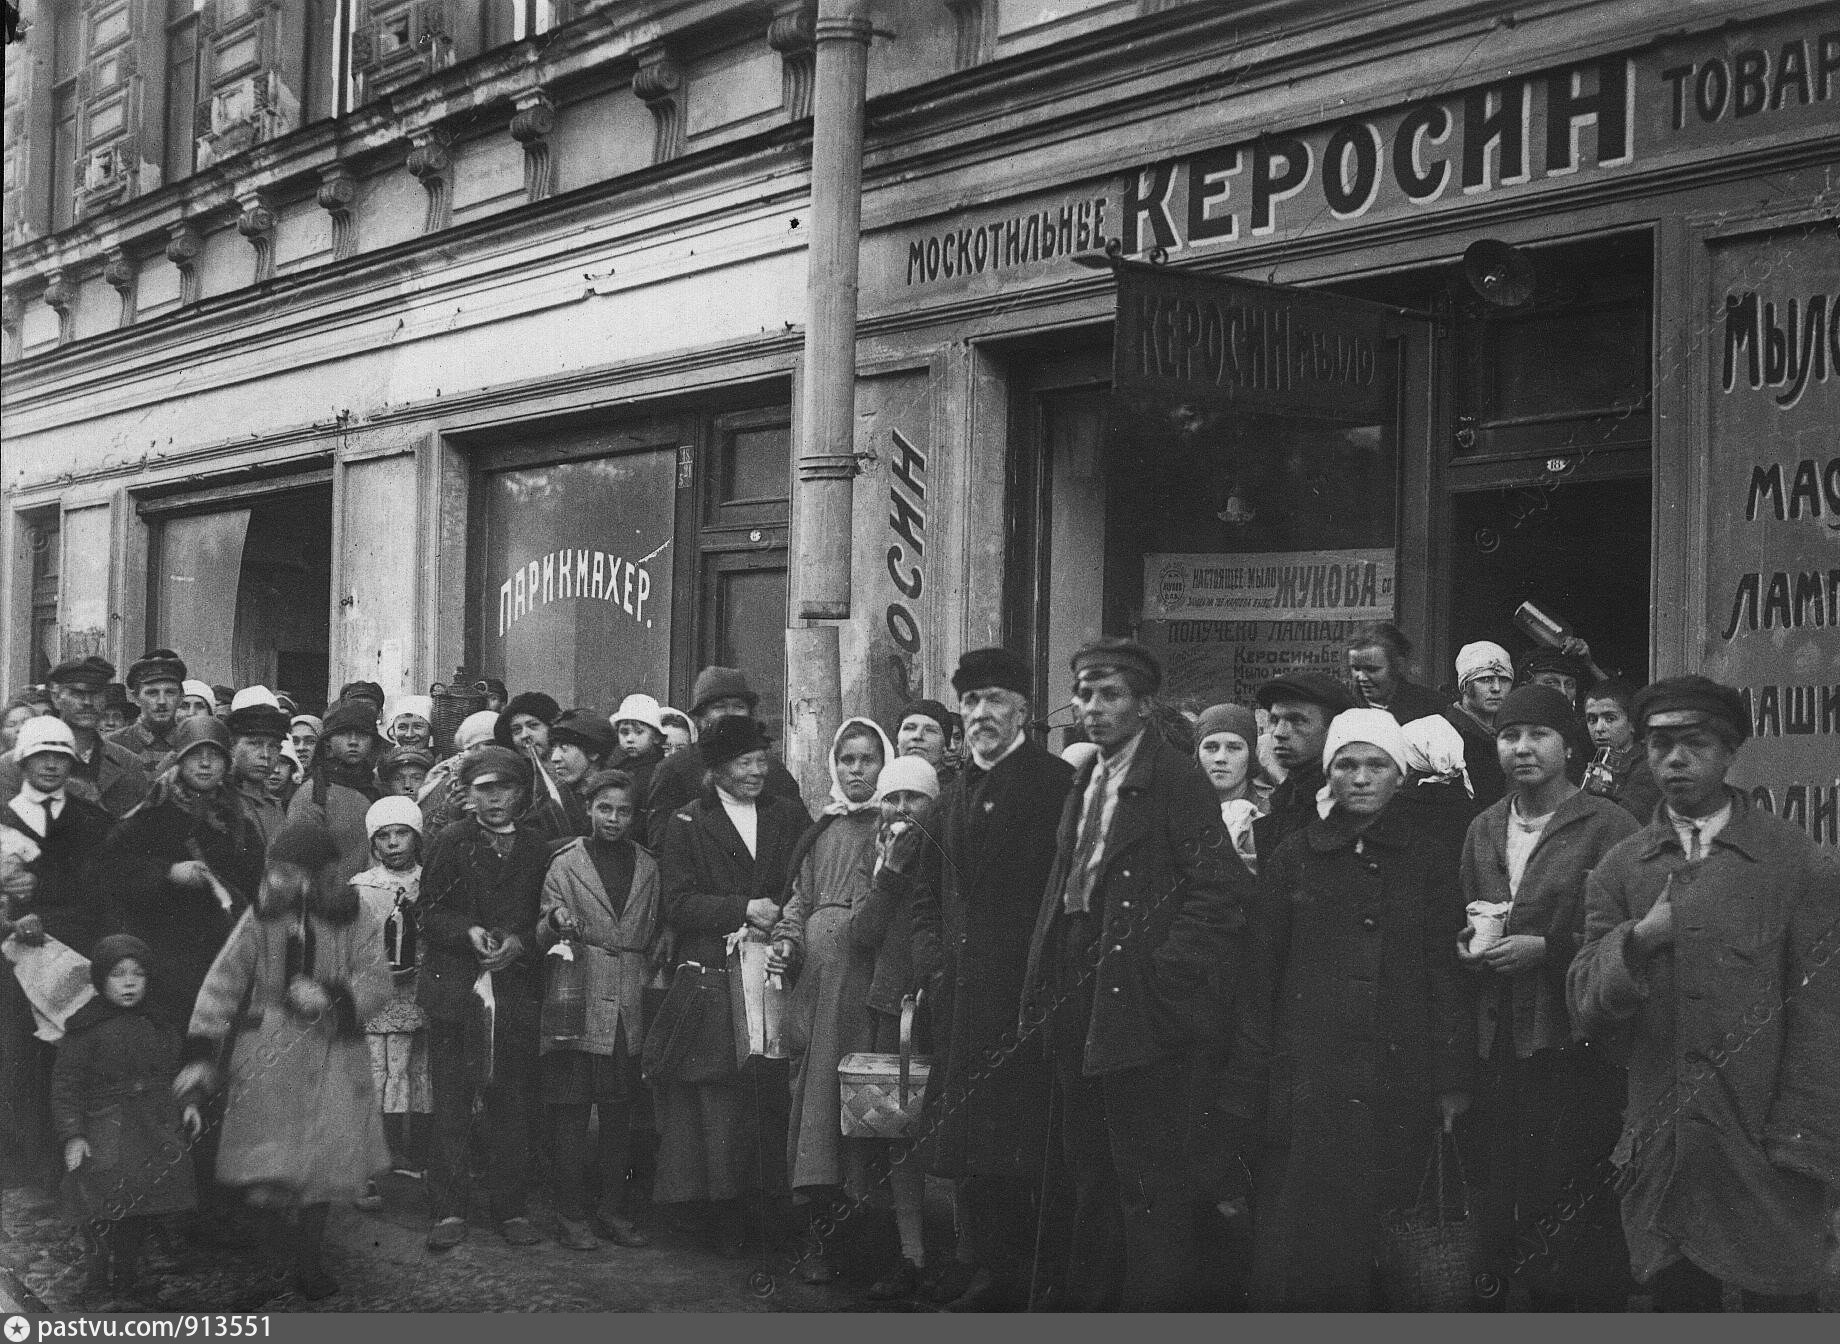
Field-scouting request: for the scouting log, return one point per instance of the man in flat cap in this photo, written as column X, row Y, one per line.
column 985, row 1124
column 156, row 682
column 1709, row 957
column 104, row 772
column 1139, row 920
column 481, row 891
column 1300, row 705
column 720, row 693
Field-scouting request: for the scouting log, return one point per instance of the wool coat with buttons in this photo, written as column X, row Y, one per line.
column 973, row 912
column 1731, row 1139
column 1354, row 1016
column 1530, row 1006
column 1169, row 897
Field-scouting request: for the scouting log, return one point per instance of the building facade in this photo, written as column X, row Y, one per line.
column 358, row 339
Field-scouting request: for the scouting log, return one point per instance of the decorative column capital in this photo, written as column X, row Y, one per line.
column 430, row 163
column 12, row 323
column 256, row 222
column 659, row 84
column 338, row 189
column 121, row 270
column 531, row 124
column 184, row 245
column 61, row 297
column 793, row 34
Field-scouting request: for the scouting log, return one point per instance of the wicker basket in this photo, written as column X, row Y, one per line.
column 452, row 703
column 1431, row 1259
column 881, row 1094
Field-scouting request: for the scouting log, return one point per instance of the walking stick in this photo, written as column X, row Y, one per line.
column 1041, row 1197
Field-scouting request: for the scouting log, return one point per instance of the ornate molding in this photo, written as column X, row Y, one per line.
column 792, row 35
column 338, row 189
column 61, row 297
column 659, row 84
column 968, row 32
column 12, row 324
column 257, row 224
column 531, row 126
column 184, row 245
column 122, row 271
column 430, row 164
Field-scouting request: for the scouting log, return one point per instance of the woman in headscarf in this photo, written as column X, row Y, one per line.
column 1437, row 787
column 410, row 722
column 828, row 1016
column 1356, row 1033
column 1227, row 745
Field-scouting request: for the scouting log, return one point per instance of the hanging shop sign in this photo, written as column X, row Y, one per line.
column 1672, row 103
column 1772, row 624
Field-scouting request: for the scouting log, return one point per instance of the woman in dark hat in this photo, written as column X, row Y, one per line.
column 925, row 730
column 724, row 862
column 1547, row 1104
column 524, row 726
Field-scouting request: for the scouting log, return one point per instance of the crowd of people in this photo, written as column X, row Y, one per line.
column 1207, row 993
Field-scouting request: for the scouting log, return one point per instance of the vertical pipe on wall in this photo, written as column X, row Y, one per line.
column 827, row 462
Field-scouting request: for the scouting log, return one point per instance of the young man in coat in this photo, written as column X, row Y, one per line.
column 156, row 683
column 341, row 786
column 985, row 1119
column 1300, row 706
column 1138, row 923
column 103, row 772
column 46, row 897
column 482, row 888
column 1709, row 958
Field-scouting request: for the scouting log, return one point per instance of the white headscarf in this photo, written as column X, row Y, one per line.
column 1483, row 659
column 1434, row 748
column 912, row 774
column 1373, row 726
column 840, row 804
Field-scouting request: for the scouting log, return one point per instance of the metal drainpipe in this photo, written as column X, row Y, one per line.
column 822, row 513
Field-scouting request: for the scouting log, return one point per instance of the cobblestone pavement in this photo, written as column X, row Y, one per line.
column 382, row 1265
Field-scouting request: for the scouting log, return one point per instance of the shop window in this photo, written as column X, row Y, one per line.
column 44, row 544
column 744, row 625
column 181, row 87
column 260, row 552
column 753, row 465
column 66, row 58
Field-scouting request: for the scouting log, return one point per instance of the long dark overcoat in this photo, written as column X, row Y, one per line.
column 985, row 1116
column 1353, row 1017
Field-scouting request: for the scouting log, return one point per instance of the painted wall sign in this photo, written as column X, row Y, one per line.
column 577, row 567
column 1273, row 586
column 1772, row 625
column 1210, row 661
column 1672, row 102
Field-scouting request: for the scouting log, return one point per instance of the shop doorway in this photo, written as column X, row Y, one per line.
column 264, row 555
column 1578, row 552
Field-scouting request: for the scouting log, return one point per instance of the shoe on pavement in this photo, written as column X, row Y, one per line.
column 986, row 1294
column 519, row 1231
column 901, row 1282
column 447, row 1234
column 619, row 1231
column 574, row 1235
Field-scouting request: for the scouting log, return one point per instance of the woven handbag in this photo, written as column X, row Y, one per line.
column 1430, row 1258
column 881, row 1094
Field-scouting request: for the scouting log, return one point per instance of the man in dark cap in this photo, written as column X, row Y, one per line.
column 256, row 734
column 155, row 682
column 1707, row 958
column 481, row 890
column 1140, row 917
column 1300, row 707
column 1559, row 670
column 721, row 692
column 987, row 1104
column 367, row 691
column 104, row 772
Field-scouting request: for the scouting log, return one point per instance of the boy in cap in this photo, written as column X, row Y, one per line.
column 1707, row 957
column 480, row 897
column 155, row 681
column 257, row 730
column 341, row 784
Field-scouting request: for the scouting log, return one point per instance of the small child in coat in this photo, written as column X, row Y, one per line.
column 397, row 1035
column 112, row 1103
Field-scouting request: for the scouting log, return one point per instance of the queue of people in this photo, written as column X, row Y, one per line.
column 1204, row 995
